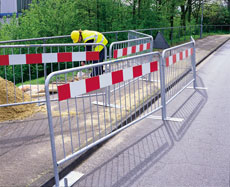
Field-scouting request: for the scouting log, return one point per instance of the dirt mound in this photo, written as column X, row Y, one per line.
column 14, row 112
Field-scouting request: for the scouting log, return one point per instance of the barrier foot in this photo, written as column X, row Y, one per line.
column 198, row 88
column 70, row 179
column 107, row 105
column 167, row 118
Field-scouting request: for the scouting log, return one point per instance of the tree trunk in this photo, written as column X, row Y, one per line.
column 183, row 13
column 228, row 6
column 134, row 13
column 189, row 10
column 139, row 9
column 172, row 20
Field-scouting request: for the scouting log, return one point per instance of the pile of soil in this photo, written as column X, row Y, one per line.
column 14, row 112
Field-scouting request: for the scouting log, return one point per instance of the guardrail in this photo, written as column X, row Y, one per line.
column 172, row 35
column 76, row 125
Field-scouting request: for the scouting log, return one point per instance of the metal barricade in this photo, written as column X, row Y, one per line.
column 76, row 125
column 23, row 69
column 137, row 43
column 178, row 72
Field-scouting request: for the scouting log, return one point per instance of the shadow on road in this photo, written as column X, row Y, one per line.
column 124, row 168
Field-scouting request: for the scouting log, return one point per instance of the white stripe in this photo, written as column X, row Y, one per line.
column 170, row 60
column 178, row 57
column 79, row 56
column 77, row 88
column 49, row 57
column 129, row 50
column 184, row 54
column 105, row 80
column 137, row 48
column 17, row 59
column 128, row 74
column 94, row 37
column 119, row 52
column 145, row 69
column 145, row 47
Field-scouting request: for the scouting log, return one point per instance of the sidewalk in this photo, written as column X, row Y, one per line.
column 25, row 155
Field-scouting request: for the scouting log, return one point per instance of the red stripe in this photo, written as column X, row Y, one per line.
column 133, row 49
column 141, row 47
column 191, row 50
column 64, row 57
column 186, row 52
column 124, row 52
column 92, row 84
column 181, row 55
column 137, row 71
column 63, row 92
column 117, row 76
column 174, row 59
column 148, row 45
column 33, row 58
column 153, row 66
column 4, row 60
column 92, row 55
column 167, row 61
column 115, row 53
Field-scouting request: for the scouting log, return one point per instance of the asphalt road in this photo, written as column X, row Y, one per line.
column 194, row 152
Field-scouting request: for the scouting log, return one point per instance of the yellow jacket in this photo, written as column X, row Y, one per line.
column 96, row 36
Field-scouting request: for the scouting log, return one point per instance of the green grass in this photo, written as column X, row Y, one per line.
column 59, row 78
column 33, row 82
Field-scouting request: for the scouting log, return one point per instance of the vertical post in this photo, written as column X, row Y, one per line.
column 162, row 83
column 201, row 26
column 51, row 131
column 107, row 89
column 194, row 63
column 44, row 51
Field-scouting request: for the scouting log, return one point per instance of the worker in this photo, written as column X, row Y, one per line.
column 87, row 36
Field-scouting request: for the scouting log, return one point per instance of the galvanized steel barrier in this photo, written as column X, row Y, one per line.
column 28, row 65
column 178, row 72
column 76, row 125
column 137, row 42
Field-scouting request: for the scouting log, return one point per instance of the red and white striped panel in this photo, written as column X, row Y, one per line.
column 41, row 58
column 130, row 50
column 179, row 56
column 73, row 89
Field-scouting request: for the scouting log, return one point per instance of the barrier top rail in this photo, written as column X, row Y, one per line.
column 178, row 46
column 49, row 45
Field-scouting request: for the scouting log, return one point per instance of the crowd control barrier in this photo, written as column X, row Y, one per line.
column 77, row 125
column 178, row 72
column 137, row 43
column 23, row 69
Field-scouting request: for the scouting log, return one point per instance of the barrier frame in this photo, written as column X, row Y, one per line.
column 56, row 163
column 164, row 88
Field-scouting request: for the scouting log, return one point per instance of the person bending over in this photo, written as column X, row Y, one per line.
column 87, row 36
